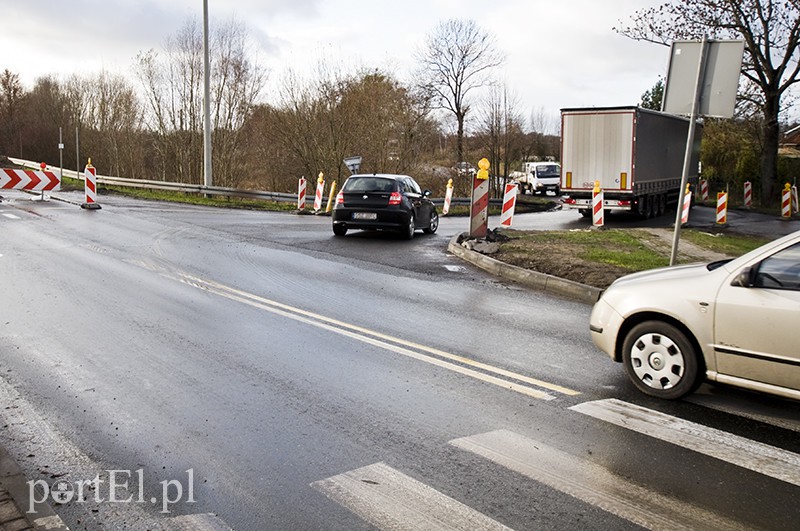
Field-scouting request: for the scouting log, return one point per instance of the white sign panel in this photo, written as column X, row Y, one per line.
column 720, row 77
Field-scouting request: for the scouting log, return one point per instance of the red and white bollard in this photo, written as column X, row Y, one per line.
column 301, row 194
column 509, row 202
column 90, row 187
column 479, row 217
column 448, row 197
column 597, row 205
column 748, row 194
column 687, row 202
column 318, row 195
column 704, row 190
column 722, row 208
column 786, row 202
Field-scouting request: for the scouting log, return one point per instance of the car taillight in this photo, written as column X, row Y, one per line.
column 570, row 201
column 340, row 198
column 395, row 198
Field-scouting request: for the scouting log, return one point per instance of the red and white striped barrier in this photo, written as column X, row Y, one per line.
column 786, row 202
column 509, row 202
column 597, row 205
column 748, row 194
column 301, row 194
column 448, row 197
column 35, row 181
column 318, row 195
column 479, row 218
column 795, row 201
column 687, row 203
column 90, row 187
column 722, row 208
column 704, row 190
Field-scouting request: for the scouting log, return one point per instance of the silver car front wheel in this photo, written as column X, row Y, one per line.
column 660, row 360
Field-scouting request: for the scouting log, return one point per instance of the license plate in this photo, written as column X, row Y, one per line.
column 365, row 215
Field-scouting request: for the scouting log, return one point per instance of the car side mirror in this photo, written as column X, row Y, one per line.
column 745, row 278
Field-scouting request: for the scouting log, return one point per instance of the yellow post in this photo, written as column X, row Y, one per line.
column 448, row 197
column 330, row 197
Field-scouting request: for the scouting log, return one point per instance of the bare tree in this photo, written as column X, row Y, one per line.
column 771, row 32
column 46, row 108
column 319, row 121
column 113, row 120
column 174, row 95
column 501, row 133
column 11, row 101
column 458, row 58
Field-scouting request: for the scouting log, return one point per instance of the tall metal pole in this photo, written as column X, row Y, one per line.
column 77, row 154
column 207, row 177
column 687, row 158
column 60, row 155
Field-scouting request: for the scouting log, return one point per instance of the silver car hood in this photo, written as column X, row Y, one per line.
column 682, row 272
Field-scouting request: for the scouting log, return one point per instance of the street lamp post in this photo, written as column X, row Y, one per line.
column 207, row 176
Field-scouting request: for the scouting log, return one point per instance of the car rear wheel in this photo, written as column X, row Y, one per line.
column 339, row 230
column 433, row 224
column 408, row 233
column 660, row 360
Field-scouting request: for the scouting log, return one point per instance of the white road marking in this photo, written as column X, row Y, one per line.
column 388, row 499
column 9, row 216
column 455, row 268
column 591, row 483
column 774, row 416
column 465, row 366
column 198, row 522
column 752, row 455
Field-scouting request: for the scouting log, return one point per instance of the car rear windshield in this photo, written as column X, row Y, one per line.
column 369, row 184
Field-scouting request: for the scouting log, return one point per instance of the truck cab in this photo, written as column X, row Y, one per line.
column 541, row 177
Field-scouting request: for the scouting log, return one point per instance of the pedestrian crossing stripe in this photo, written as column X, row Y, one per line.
column 591, row 483
column 388, row 499
column 9, row 216
column 752, row 455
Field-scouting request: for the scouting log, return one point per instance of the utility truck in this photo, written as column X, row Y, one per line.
column 539, row 177
column 636, row 155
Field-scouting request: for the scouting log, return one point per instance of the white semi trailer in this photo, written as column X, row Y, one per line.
column 636, row 155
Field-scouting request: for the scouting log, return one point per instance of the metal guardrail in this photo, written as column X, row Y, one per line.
column 280, row 197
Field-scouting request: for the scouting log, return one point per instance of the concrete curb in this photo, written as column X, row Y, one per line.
column 526, row 277
column 13, row 481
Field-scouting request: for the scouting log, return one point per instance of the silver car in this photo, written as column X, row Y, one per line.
column 735, row 322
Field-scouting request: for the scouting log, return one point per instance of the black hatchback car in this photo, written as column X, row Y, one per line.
column 384, row 202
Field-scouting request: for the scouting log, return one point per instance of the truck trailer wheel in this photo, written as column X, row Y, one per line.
column 585, row 212
column 662, row 204
column 652, row 210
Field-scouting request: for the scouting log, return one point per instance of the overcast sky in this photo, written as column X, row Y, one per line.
column 559, row 53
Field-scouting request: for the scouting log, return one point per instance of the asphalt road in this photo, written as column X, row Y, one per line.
column 251, row 366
